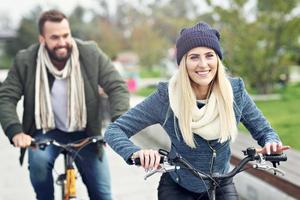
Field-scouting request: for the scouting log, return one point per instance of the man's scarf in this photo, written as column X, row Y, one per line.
column 44, row 117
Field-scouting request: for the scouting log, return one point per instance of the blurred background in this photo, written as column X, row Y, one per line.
column 260, row 41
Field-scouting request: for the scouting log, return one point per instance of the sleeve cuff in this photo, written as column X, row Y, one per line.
column 12, row 130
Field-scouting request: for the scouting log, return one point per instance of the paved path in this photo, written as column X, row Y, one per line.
column 127, row 181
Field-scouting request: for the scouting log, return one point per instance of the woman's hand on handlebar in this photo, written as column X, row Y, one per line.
column 149, row 158
column 272, row 148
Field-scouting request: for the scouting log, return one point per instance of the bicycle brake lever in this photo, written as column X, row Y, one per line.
column 276, row 170
column 269, row 168
column 165, row 168
column 151, row 173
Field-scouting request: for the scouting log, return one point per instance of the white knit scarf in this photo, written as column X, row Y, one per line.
column 205, row 121
column 44, row 117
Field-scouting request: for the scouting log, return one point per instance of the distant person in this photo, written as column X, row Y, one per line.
column 59, row 80
column 199, row 108
column 131, row 84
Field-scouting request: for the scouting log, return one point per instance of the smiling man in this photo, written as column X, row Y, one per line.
column 59, row 79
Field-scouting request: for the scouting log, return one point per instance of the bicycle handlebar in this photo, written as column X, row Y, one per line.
column 137, row 161
column 275, row 157
column 250, row 153
column 253, row 156
column 42, row 144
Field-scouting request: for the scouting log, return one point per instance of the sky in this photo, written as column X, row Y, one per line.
column 15, row 9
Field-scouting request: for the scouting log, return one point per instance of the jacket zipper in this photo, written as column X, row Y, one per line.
column 214, row 155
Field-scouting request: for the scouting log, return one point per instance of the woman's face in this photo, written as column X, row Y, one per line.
column 202, row 65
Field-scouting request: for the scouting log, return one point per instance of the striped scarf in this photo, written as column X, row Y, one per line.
column 44, row 117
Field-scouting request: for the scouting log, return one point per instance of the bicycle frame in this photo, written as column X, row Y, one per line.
column 67, row 180
column 69, row 186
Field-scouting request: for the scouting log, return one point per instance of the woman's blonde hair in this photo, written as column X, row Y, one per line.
column 221, row 86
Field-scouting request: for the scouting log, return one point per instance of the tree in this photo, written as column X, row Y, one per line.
column 149, row 44
column 27, row 33
column 80, row 28
column 262, row 49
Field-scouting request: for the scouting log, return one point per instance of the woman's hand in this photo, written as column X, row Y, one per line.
column 272, row 148
column 149, row 158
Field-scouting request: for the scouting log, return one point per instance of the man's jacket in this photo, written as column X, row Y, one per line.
column 96, row 69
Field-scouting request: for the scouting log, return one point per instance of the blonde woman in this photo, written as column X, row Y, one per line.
column 199, row 108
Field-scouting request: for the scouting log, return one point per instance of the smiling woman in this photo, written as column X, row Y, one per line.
column 199, row 108
column 202, row 64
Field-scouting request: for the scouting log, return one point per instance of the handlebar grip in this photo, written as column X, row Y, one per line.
column 137, row 161
column 41, row 144
column 276, row 157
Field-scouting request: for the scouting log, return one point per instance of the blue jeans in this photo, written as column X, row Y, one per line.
column 95, row 173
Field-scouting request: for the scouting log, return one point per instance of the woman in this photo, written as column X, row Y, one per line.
column 199, row 109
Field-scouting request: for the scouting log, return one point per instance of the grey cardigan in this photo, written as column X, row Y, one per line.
column 155, row 110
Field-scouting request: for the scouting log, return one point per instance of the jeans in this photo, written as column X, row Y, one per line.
column 95, row 173
column 170, row 190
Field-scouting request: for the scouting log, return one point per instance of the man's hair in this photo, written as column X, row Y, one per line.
column 51, row 15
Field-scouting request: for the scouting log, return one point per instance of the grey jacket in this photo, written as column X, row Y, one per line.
column 155, row 109
column 96, row 69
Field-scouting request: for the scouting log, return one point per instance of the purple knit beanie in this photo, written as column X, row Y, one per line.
column 200, row 35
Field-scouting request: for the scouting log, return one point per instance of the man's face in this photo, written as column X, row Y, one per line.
column 57, row 39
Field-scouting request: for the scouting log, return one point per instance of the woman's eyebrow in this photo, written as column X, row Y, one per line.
column 197, row 54
column 194, row 54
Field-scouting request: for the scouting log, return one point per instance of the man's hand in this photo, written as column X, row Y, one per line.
column 22, row 140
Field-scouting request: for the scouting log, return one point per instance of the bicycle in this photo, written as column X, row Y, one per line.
column 67, row 180
column 172, row 164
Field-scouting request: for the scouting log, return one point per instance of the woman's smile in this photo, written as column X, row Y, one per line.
column 203, row 74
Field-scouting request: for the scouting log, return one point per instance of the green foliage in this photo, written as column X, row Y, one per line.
column 260, row 50
column 146, row 73
column 146, row 91
column 27, row 34
column 150, row 53
column 79, row 28
column 98, row 29
column 5, row 61
column 259, row 47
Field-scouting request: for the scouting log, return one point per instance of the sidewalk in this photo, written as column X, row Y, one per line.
column 127, row 181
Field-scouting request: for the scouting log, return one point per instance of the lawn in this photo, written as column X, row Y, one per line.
column 284, row 115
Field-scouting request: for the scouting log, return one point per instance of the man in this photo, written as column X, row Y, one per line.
column 59, row 80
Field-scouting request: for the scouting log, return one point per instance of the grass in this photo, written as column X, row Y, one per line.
column 284, row 115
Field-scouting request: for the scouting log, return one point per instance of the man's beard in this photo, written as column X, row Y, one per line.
column 54, row 57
